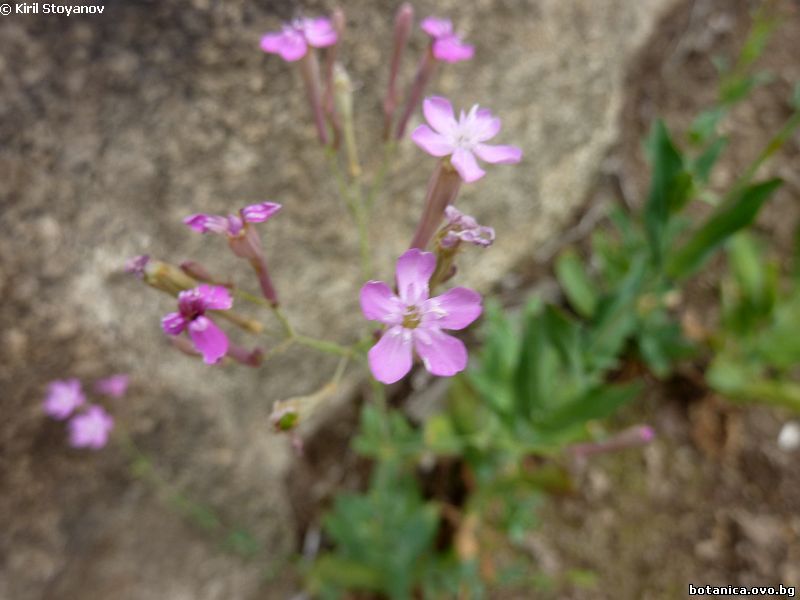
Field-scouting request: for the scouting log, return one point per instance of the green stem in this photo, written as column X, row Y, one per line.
column 323, row 345
column 352, row 196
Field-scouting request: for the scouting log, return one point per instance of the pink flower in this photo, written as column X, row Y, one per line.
column 234, row 226
column 293, row 40
column 63, row 397
column 90, row 429
column 114, row 386
column 463, row 228
column 446, row 45
column 209, row 339
column 462, row 139
column 416, row 321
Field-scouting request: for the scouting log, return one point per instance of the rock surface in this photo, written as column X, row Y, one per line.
column 114, row 127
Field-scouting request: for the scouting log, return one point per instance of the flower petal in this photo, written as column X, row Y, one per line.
column 431, row 142
column 291, row 45
column 466, row 165
column 439, row 113
column 203, row 223
column 414, row 270
column 390, row 358
column 486, row 125
column 173, row 323
column 378, row 303
column 319, row 32
column 442, row 354
column 455, row 309
column 436, row 27
column 258, row 213
column 452, row 50
column 507, row 155
column 209, row 339
column 214, row 297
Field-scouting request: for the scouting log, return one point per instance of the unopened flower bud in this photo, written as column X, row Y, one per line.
column 250, row 358
column 286, row 414
column 160, row 275
column 200, row 273
column 343, row 95
column 402, row 28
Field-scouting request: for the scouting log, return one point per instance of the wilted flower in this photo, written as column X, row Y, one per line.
column 114, row 386
column 137, row 265
column 233, row 226
column 292, row 42
column 462, row 139
column 242, row 239
column 464, row 228
column 209, row 339
column 416, row 321
column 63, row 397
column 446, row 44
column 90, row 429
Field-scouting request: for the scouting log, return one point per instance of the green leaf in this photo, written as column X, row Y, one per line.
column 530, row 374
column 704, row 127
column 616, row 319
column 705, row 162
column 595, row 404
column 667, row 167
column 723, row 223
column 747, row 266
column 576, row 283
column 565, row 336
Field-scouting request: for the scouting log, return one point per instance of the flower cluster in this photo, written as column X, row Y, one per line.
column 414, row 318
column 89, row 425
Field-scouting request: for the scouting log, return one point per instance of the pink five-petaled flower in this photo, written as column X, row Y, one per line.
column 90, row 429
column 114, row 385
column 293, row 40
column 416, row 321
column 447, row 45
column 462, row 139
column 209, row 339
column 63, row 397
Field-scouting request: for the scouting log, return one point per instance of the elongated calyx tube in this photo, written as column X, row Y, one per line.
column 328, row 105
column 309, row 69
column 343, row 95
column 442, row 191
column 403, row 21
column 633, row 437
